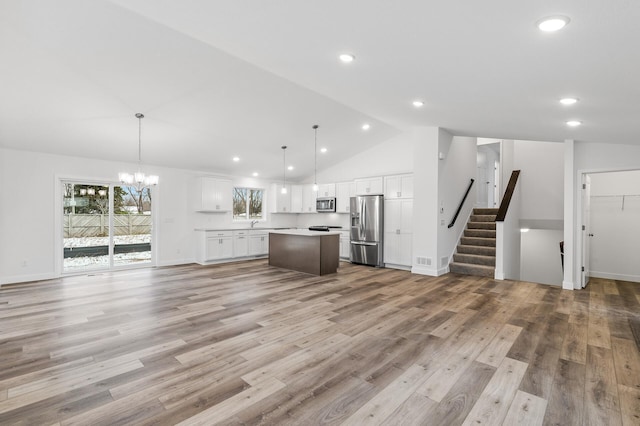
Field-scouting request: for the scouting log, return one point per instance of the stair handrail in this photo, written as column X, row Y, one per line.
column 455, row 216
column 506, row 199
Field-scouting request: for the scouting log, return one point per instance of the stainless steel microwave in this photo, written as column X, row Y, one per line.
column 326, row 205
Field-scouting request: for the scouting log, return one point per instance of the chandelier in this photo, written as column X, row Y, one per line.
column 139, row 179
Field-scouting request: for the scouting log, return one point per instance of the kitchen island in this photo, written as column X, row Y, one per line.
column 313, row 252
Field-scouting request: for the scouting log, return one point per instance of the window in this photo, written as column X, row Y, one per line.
column 247, row 203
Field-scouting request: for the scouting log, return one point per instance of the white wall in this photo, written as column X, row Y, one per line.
column 540, row 256
column 388, row 158
column 615, row 226
column 454, row 175
column 30, row 204
column 588, row 158
column 541, row 179
column 426, row 218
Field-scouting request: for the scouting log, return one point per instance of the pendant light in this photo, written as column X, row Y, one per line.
column 315, row 158
column 284, row 170
column 138, row 178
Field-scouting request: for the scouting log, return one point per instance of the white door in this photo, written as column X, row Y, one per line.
column 586, row 228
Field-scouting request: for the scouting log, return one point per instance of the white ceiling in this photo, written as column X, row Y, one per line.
column 222, row 78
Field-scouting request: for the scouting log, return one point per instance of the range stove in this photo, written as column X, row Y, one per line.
column 325, row 228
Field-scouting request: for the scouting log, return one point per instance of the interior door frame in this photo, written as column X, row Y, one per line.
column 579, row 207
column 58, row 239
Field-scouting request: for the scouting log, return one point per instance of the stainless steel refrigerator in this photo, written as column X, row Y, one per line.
column 366, row 229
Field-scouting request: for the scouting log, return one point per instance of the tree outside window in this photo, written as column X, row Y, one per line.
column 247, row 203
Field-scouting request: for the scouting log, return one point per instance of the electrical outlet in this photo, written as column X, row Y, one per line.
column 441, row 222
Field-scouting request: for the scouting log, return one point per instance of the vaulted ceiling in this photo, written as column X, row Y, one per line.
column 217, row 79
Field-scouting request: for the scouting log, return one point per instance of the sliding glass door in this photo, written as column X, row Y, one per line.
column 105, row 226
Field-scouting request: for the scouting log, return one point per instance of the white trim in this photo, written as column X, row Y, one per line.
column 28, row 278
column 423, row 270
column 613, row 276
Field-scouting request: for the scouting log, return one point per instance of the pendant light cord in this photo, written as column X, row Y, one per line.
column 315, row 154
column 284, row 166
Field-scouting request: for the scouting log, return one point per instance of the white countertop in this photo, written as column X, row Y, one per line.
column 265, row 229
column 303, row 232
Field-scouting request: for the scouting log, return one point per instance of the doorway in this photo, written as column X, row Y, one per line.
column 610, row 239
column 105, row 226
column 488, row 173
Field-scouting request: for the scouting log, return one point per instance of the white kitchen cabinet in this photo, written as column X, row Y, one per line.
column 344, row 192
column 279, row 202
column 296, row 198
column 258, row 243
column 240, row 243
column 400, row 186
column 215, row 245
column 369, row 186
column 327, row 190
column 398, row 232
column 345, row 244
column 213, row 194
column 308, row 199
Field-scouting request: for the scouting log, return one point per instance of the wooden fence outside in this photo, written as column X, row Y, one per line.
column 97, row 225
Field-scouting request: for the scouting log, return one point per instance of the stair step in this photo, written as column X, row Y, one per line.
column 481, row 225
column 474, row 259
column 482, row 233
column 485, row 211
column 477, row 241
column 468, row 269
column 479, row 250
column 483, row 218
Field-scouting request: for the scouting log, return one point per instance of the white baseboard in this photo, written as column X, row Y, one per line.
column 567, row 285
column 423, row 270
column 614, row 276
column 28, row 278
column 394, row 266
column 175, row 262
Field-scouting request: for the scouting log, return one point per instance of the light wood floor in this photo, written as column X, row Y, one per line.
column 245, row 343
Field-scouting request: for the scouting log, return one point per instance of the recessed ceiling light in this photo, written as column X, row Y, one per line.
column 236, row 159
column 290, row 168
column 418, row 104
column 323, row 150
column 574, row 123
column 552, row 23
column 255, row 174
column 568, row 101
column 347, row 57
column 524, row 229
column 366, row 126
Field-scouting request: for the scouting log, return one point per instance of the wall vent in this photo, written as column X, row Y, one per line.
column 423, row 261
column 444, row 261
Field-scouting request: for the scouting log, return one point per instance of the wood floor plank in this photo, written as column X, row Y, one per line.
column 629, row 405
column 574, row 346
column 602, row 405
column 497, row 350
column 495, row 400
column 245, row 343
column 526, row 409
column 567, row 395
column 626, row 357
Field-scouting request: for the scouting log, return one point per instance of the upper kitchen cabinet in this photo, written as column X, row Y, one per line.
column 296, row 198
column 327, row 190
column 400, row 186
column 279, row 202
column 344, row 191
column 369, row 186
column 213, row 194
column 308, row 199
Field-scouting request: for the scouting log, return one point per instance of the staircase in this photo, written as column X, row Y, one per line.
column 476, row 254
